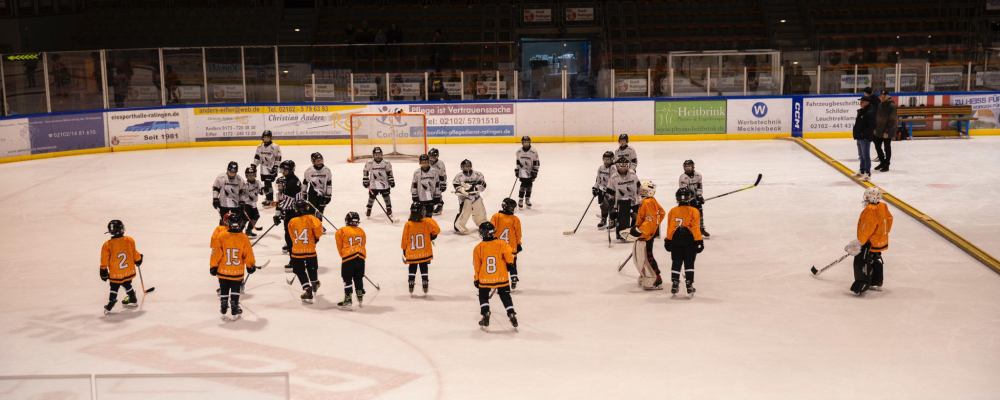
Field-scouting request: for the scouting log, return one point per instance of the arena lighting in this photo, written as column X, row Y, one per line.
column 296, row 29
column 795, row 62
column 782, row 21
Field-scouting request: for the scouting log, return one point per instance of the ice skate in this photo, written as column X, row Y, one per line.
column 107, row 308
column 690, row 288
column 520, row 202
column 346, row 305
column 388, row 211
column 877, row 288
column 284, row 249
column 705, row 234
column 360, row 294
column 412, row 284
column 527, row 203
column 513, row 319
column 675, row 287
column 658, row 285
column 315, row 287
column 237, row 312
column 437, row 209
column 307, row 296
column 130, row 301
column 602, row 225
column 484, row 323
column 368, row 213
column 224, row 309
column 424, row 284
column 250, row 234
column 288, row 268
column 266, row 204
column 513, row 282
column 218, row 292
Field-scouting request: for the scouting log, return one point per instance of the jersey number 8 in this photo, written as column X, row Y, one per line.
column 491, row 265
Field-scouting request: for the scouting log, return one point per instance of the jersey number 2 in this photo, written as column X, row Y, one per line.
column 121, row 261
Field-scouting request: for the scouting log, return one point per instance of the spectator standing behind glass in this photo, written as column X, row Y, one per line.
column 60, row 76
column 438, row 91
column 885, row 129
column 349, row 34
column 121, row 87
column 864, row 129
column 395, row 34
column 30, row 66
column 173, row 85
column 380, row 37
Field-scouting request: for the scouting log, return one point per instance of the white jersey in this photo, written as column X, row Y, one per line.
column 625, row 187
column 527, row 163
column 425, row 184
column 443, row 183
column 267, row 158
column 473, row 183
column 629, row 153
column 229, row 191
column 319, row 180
column 603, row 174
column 379, row 175
column 693, row 183
column 251, row 190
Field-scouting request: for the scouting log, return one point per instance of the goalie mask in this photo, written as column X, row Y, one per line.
column 622, row 165
column 872, row 196
column 647, row 190
column 467, row 167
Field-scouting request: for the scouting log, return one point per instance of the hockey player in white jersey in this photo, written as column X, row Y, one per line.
column 600, row 187
column 623, row 186
column 436, row 163
column 228, row 191
column 317, row 184
column 426, row 180
column 526, row 171
column 252, row 188
column 624, row 150
column 692, row 181
column 266, row 159
column 468, row 186
column 378, row 180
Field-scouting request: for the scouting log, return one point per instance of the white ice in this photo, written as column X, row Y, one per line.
column 760, row 326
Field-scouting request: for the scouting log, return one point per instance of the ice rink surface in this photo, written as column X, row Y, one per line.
column 760, row 325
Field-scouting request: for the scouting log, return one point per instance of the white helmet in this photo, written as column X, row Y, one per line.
column 647, row 190
column 872, row 196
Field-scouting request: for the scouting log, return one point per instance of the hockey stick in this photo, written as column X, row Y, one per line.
column 250, row 220
column 244, row 284
column 622, row 265
column 144, row 291
column 514, row 186
column 289, row 281
column 759, row 176
column 373, row 283
column 322, row 215
column 380, row 205
column 581, row 218
column 262, row 236
column 817, row 272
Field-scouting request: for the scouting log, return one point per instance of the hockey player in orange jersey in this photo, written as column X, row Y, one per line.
column 304, row 232
column 647, row 228
column 418, row 251
column 490, row 260
column 874, row 226
column 351, row 241
column 119, row 259
column 509, row 227
column 231, row 256
column 684, row 240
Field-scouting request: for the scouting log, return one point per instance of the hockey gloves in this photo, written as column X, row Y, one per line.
column 277, row 219
column 534, row 175
column 326, row 199
column 517, row 174
column 476, row 283
column 274, row 170
column 853, row 248
column 595, row 191
column 139, row 261
column 433, row 237
column 365, row 182
column 104, row 275
column 415, row 199
column 392, row 182
column 701, row 200
column 519, row 248
column 666, row 245
column 251, row 269
column 214, row 271
column 699, row 246
column 216, row 204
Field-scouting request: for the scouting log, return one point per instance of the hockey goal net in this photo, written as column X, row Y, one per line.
column 398, row 135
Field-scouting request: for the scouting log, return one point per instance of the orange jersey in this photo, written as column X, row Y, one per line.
column 490, row 259
column 417, row 247
column 304, row 231
column 874, row 226
column 685, row 216
column 118, row 256
column 215, row 235
column 233, row 256
column 649, row 217
column 351, row 243
column 508, row 229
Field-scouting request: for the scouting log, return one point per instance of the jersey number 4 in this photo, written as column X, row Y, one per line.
column 505, row 235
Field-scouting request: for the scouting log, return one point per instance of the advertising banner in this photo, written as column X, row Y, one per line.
column 14, row 138
column 945, row 80
column 454, row 89
column 404, row 89
column 143, row 93
column 467, row 119
column 131, row 128
column 847, row 81
column 284, row 122
column 631, row 85
column 689, row 117
column 366, row 89
column 187, row 93
column 323, row 91
column 797, row 116
column 829, row 114
column 227, row 92
column 66, row 132
column 907, row 81
column 759, row 116
column 538, row 15
column 579, row 14
column 490, row 87
column 985, row 106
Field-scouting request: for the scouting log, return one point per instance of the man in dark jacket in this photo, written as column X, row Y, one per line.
column 885, row 129
column 874, row 99
column 864, row 130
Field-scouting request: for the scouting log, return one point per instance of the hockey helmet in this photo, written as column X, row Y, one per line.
column 487, row 230
column 872, row 196
column 508, row 206
column 116, row 228
column 623, row 137
column 288, row 165
column 316, row 156
column 526, row 141
column 433, row 153
column 416, row 211
column 352, row 219
column 233, row 222
column 377, row 153
column 280, row 183
column 684, row 196
column 647, row 190
column 688, row 163
column 467, row 166
column 622, row 164
column 266, row 136
column 301, row 206
column 233, row 167
column 251, row 172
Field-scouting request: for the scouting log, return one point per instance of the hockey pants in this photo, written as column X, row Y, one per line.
column 642, row 257
column 682, row 256
column 607, row 204
column 230, row 291
column 317, row 204
column 423, row 271
column 470, row 208
column 525, row 189
column 268, row 190
column 626, row 215
column 701, row 213
column 253, row 214
column 128, row 290
column 353, row 272
column 385, row 196
column 288, row 239
column 307, row 270
column 503, row 292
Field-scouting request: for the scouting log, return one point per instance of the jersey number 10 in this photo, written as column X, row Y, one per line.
column 417, row 241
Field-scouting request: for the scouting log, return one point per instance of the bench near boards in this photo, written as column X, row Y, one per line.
column 962, row 114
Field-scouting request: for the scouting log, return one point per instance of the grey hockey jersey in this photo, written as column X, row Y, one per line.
column 693, row 183
column 250, row 192
column 625, row 187
column 320, row 180
column 231, row 192
column 473, row 183
column 443, row 183
column 267, row 158
column 379, row 175
column 425, row 184
column 603, row 174
column 629, row 153
column 527, row 162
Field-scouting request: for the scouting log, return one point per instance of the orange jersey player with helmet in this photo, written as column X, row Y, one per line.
column 647, row 228
column 232, row 255
column 684, row 240
column 417, row 245
column 490, row 260
column 119, row 259
column 874, row 226
column 304, row 232
column 509, row 227
column 351, row 241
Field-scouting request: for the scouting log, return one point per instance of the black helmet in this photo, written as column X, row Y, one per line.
column 377, row 153
column 608, row 154
column 266, row 134
column 487, row 230
column 684, row 196
column 352, row 219
column 288, row 165
column 433, row 153
column 116, row 228
column 622, row 162
column 251, row 171
column 315, row 156
column 688, row 162
column 466, row 163
column 623, row 137
column 233, row 167
column 423, row 157
column 508, row 206
column 233, row 222
column 280, row 182
column 416, row 212
column 301, row 206
column 525, row 139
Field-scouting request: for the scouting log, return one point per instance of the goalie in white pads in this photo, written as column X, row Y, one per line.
column 646, row 229
column 526, row 171
column 468, row 186
column 378, row 180
column 426, row 185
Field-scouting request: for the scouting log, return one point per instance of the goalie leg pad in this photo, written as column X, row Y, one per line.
column 464, row 212
column 479, row 212
column 647, row 276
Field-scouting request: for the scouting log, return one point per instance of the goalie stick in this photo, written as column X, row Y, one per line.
column 573, row 232
column 820, row 271
column 759, row 176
